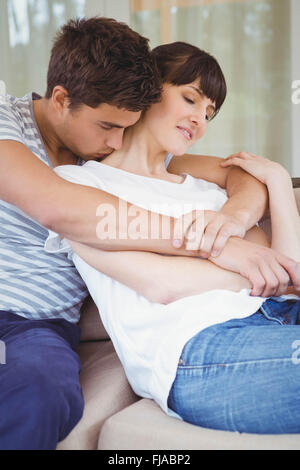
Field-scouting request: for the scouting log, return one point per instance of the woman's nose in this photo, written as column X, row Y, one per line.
column 199, row 119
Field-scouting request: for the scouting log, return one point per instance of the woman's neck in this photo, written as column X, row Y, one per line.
column 141, row 154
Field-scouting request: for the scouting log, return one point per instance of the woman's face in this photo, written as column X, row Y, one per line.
column 180, row 118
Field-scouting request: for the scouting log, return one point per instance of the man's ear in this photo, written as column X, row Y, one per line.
column 60, row 98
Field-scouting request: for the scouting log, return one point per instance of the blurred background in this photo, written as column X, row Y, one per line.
column 257, row 43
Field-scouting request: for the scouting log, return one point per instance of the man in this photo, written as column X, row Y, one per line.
column 100, row 79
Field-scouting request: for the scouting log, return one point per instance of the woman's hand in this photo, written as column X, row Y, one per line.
column 268, row 271
column 259, row 167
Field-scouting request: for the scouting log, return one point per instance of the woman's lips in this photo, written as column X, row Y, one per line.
column 185, row 132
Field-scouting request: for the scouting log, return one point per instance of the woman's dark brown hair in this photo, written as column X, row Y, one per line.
column 180, row 63
column 99, row 60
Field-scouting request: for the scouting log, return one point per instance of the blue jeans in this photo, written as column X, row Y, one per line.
column 40, row 395
column 243, row 375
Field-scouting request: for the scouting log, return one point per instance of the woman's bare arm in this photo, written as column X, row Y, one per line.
column 160, row 278
column 165, row 279
column 285, row 221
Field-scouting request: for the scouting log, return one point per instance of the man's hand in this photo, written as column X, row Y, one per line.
column 207, row 232
column 218, row 228
column 269, row 272
column 235, row 218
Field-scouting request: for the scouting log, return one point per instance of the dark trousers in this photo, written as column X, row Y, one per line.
column 40, row 394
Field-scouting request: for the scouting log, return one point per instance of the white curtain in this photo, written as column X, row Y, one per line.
column 251, row 41
column 27, row 29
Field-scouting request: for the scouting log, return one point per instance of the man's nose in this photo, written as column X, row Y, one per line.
column 115, row 139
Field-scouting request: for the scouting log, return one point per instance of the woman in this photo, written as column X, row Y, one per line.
column 214, row 356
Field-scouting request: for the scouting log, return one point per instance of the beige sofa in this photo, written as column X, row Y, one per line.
column 116, row 419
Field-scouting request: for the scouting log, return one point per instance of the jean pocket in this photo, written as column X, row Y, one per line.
column 284, row 313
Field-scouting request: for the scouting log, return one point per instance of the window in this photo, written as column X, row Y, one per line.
column 251, row 41
column 255, row 42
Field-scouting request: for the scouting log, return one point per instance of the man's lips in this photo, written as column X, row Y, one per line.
column 186, row 132
column 102, row 154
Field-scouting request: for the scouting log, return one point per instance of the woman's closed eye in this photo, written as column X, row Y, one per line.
column 208, row 116
column 189, row 100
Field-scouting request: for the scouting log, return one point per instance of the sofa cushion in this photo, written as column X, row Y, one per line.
column 144, row 425
column 91, row 325
column 106, row 391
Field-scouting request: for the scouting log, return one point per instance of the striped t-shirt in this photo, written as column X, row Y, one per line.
column 33, row 283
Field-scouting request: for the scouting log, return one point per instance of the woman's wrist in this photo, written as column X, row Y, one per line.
column 280, row 189
column 277, row 176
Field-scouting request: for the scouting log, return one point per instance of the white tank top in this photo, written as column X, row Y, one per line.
column 149, row 337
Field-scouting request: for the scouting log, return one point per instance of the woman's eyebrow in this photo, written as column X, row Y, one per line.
column 200, row 92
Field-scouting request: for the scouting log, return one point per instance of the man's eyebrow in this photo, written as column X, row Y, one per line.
column 200, row 92
column 110, row 124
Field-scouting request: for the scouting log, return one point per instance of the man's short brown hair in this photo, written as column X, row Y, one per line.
column 99, row 60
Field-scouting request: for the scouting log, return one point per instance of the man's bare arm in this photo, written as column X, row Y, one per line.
column 70, row 210
column 159, row 278
column 67, row 208
column 237, row 216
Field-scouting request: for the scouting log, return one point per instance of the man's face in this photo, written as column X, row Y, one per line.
column 92, row 133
